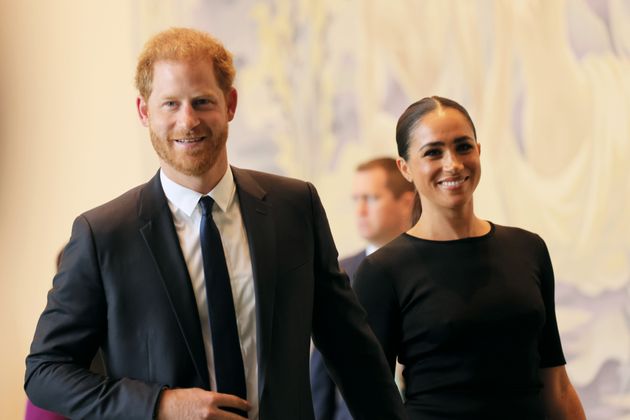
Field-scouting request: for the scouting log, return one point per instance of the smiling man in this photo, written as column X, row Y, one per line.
column 203, row 286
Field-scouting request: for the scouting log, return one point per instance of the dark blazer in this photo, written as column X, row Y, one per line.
column 123, row 286
column 327, row 400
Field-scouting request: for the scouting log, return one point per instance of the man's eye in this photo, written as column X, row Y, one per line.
column 202, row 102
column 170, row 104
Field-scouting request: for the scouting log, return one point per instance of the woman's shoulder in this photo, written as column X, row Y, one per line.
column 380, row 273
column 399, row 249
column 517, row 235
column 515, row 231
column 384, row 260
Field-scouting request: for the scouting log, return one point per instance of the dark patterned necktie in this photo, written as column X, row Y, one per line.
column 228, row 362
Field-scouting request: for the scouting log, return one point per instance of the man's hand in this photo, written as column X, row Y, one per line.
column 196, row 403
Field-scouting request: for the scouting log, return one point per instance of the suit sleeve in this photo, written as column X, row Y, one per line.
column 340, row 331
column 322, row 387
column 376, row 295
column 68, row 336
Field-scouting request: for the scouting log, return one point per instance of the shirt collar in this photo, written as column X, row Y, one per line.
column 186, row 199
column 370, row 249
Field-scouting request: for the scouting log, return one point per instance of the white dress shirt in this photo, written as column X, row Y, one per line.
column 184, row 205
column 369, row 249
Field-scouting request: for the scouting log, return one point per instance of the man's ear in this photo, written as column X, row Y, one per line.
column 143, row 111
column 231, row 99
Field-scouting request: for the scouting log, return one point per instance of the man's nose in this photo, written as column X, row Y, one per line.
column 188, row 118
column 361, row 206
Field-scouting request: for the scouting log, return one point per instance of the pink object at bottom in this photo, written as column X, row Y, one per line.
column 35, row 413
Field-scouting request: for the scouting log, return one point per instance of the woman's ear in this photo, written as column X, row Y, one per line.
column 404, row 169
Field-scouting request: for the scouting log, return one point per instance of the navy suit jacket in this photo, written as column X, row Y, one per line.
column 123, row 286
column 327, row 400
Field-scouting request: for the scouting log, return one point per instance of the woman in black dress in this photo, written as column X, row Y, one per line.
column 466, row 305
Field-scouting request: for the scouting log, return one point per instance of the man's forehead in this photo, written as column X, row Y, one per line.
column 376, row 175
column 172, row 76
column 370, row 183
column 171, row 65
column 183, row 60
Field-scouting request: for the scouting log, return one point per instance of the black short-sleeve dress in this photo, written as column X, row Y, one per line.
column 472, row 320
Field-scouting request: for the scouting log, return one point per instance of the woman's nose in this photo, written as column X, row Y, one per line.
column 452, row 162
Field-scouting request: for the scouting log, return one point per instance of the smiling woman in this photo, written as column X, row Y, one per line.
column 467, row 306
column 441, row 157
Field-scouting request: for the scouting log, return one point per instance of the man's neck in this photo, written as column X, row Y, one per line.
column 203, row 183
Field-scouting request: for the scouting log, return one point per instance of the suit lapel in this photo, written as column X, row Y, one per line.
column 160, row 236
column 261, row 233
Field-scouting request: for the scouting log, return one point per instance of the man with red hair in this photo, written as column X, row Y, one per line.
column 203, row 286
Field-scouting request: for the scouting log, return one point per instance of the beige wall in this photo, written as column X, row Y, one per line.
column 69, row 140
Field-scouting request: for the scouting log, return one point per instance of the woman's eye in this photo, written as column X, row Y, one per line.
column 170, row 104
column 464, row 147
column 432, row 153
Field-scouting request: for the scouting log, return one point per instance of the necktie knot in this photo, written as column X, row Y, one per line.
column 206, row 202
